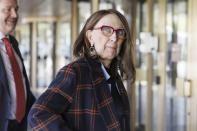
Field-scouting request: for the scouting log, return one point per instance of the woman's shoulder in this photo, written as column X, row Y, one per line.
column 76, row 64
column 81, row 65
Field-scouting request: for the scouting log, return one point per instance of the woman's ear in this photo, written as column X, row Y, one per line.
column 89, row 36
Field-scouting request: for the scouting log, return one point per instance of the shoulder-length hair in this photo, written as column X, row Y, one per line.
column 125, row 61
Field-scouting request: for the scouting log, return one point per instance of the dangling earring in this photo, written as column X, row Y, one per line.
column 92, row 50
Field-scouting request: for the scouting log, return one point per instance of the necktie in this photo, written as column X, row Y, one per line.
column 20, row 92
column 117, row 102
column 114, row 91
column 115, row 94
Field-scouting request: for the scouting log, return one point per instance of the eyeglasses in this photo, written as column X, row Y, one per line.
column 108, row 31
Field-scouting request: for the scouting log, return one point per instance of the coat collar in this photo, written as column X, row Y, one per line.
column 3, row 75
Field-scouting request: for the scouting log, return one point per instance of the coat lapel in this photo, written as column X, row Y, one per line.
column 3, row 75
column 15, row 46
column 102, row 95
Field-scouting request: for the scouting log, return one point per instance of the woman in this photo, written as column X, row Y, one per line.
column 88, row 94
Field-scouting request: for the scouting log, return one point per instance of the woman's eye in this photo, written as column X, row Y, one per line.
column 121, row 32
column 107, row 29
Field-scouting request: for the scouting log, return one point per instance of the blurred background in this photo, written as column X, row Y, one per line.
column 164, row 32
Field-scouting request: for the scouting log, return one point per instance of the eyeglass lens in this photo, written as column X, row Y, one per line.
column 108, row 31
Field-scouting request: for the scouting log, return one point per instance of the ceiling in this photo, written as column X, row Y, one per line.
column 44, row 8
column 34, row 8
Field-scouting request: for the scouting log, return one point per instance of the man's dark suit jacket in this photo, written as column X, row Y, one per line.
column 79, row 99
column 5, row 99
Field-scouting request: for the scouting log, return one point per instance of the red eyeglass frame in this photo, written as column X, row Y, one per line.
column 101, row 27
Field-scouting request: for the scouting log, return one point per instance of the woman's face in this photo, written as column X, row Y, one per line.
column 107, row 37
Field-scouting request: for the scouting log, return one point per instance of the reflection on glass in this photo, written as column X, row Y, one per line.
column 105, row 5
column 141, row 86
column 175, row 33
column 45, row 53
column 64, row 48
column 23, row 37
column 176, row 37
column 84, row 13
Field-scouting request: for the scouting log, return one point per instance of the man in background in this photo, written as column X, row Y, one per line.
column 15, row 95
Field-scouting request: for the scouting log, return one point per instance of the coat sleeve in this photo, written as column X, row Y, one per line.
column 45, row 114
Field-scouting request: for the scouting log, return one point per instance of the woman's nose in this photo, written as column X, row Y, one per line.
column 113, row 36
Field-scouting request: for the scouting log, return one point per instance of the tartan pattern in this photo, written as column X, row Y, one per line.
column 78, row 99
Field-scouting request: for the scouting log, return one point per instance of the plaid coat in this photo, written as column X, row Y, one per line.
column 78, row 99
